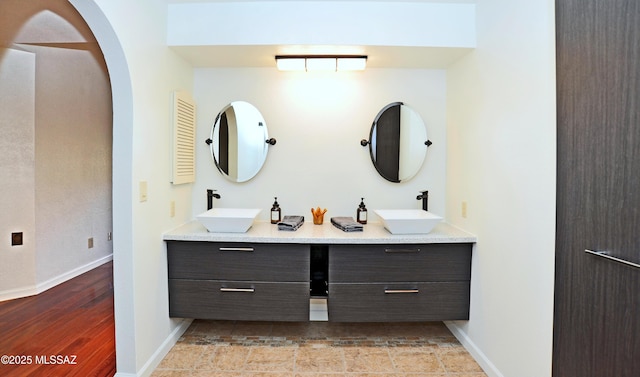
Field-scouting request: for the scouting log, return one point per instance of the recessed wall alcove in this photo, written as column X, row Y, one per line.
column 55, row 169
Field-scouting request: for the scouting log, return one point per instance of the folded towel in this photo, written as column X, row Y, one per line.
column 291, row 223
column 346, row 224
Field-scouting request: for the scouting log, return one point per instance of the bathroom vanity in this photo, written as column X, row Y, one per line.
column 369, row 276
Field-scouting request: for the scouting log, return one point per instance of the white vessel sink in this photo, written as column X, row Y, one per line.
column 228, row 220
column 408, row 221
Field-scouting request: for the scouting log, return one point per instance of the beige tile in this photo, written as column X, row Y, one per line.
column 367, row 359
column 270, row 359
column 195, row 339
column 249, row 328
column 417, row 329
column 223, row 358
column 347, row 330
column 209, row 373
column 416, row 360
column 211, row 327
column 171, row 373
column 317, row 349
column 372, row 330
column 291, row 329
column 436, row 329
column 331, row 329
column 182, row 356
column 458, row 360
column 325, row 360
column 319, row 330
column 265, row 374
column 444, row 341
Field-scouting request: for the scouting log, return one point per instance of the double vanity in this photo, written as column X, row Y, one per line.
column 271, row 275
column 240, row 269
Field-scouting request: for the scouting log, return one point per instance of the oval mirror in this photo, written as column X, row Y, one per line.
column 397, row 142
column 239, row 141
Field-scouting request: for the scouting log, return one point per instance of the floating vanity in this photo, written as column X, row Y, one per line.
column 271, row 275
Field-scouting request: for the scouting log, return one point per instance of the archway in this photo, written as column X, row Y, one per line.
column 122, row 102
column 18, row 12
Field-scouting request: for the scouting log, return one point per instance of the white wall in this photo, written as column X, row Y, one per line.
column 17, row 172
column 318, row 120
column 73, row 161
column 143, row 73
column 501, row 161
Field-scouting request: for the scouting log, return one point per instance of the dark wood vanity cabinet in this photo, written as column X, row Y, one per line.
column 366, row 283
column 238, row 281
column 399, row 283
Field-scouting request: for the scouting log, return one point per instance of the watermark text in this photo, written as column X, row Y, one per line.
column 38, row 359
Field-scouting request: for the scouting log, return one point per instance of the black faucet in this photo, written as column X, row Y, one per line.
column 424, row 196
column 210, row 196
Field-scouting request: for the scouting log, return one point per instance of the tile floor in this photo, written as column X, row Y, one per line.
column 317, row 349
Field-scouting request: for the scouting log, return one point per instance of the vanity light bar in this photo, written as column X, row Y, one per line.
column 321, row 62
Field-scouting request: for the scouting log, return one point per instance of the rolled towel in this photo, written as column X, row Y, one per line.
column 346, row 224
column 291, row 223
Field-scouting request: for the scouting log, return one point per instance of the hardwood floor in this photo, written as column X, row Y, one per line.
column 66, row 331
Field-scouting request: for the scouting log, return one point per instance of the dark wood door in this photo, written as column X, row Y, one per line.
column 597, row 300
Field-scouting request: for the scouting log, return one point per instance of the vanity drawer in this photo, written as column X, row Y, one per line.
column 399, row 262
column 234, row 300
column 399, row 302
column 238, row 261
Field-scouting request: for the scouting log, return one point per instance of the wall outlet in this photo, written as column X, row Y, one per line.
column 143, row 191
column 90, row 243
column 16, row 239
column 464, row 209
column 109, row 236
column 172, row 208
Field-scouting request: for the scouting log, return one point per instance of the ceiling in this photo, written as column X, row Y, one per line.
column 259, row 53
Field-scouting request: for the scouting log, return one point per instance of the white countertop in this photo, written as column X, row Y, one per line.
column 308, row 233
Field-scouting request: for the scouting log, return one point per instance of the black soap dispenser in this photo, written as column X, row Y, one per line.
column 276, row 212
column 361, row 213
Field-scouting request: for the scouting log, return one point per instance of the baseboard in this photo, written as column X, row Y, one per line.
column 41, row 287
column 161, row 352
column 18, row 293
column 482, row 359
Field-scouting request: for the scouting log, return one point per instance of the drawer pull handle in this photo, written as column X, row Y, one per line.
column 247, row 290
column 247, row 249
column 402, row 250
column 396, row 291
column 605, row 254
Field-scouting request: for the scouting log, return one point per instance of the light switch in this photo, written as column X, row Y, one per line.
column 143, row 191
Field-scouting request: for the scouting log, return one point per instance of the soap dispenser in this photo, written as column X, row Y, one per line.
column 361, row 213
column 276, row 212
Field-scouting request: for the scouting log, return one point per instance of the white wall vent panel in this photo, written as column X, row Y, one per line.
column 184, row 138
